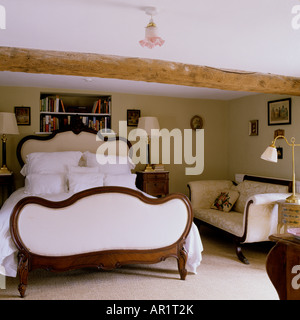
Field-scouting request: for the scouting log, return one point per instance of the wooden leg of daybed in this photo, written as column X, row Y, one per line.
column 240, row 253
column 23, row 273
column 181, row 260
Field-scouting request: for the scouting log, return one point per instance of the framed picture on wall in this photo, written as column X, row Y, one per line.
column 253, row 128
column 133, row 117
column 278, row 133
column 279, row 153
column 279, row 112
column 23, row 116
column 196, row 122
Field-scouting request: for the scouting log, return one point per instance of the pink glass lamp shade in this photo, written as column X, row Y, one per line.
column 151, row 37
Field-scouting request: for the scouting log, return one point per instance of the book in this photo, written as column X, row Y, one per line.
column 158, row 167
column 106, row 107
column 95, row 106
column 62, row 106
column 47, row 123
column 57, row 104
column 99, row 106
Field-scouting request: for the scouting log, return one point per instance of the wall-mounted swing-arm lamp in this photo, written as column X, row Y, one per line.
column 270, row 154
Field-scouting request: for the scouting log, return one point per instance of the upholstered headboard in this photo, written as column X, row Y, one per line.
column 85, row 140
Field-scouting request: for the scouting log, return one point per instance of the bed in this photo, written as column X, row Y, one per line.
column 80, row 208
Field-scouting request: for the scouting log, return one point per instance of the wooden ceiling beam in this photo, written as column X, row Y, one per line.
column 140, row 69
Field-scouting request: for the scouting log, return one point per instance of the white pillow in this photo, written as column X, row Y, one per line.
column 24, row 170
column 83, row 181
column 45, row 184
column 50, row 162
column 122, row 180
column 79, row 169
column 109, row 164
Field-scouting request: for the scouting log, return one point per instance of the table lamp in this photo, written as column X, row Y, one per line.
column 147, row 124
column 270, row 154
column 8, row 125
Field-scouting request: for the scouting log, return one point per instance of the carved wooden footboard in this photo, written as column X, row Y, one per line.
column 73, row 233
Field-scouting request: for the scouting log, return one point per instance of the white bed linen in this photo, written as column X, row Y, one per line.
column 8, row 251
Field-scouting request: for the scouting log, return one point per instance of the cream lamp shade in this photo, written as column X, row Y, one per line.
column 8, row 123
column 270, row 154
column 147, row 124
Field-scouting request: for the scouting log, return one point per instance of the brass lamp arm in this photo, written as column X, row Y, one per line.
column 286, row 140
column 271, row 155
column 293, row 198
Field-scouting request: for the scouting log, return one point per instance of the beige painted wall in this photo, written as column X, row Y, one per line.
column 245, row 150
column 171, row 112
column 228, row 147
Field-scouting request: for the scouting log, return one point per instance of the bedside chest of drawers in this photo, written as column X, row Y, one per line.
column 155, row 183
column 7, row 186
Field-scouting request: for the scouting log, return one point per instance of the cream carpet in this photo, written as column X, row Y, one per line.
column 220, row 277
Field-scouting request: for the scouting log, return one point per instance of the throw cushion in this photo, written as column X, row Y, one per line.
column 225, row 200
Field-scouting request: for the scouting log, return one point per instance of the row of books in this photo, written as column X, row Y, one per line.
column 50, row 123
column 101, row 106
column 55, row 104
column 52, row 104
column 96, row 123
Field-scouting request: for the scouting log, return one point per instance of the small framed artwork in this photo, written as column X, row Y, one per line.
column 23, row 116
column 279, row 153
column 253, row 128
column 196, row 122
column 278, row 133
column 279, row 112
column 133, row 117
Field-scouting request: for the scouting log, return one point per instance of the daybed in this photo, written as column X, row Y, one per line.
column 246, row 211
column 75, row 212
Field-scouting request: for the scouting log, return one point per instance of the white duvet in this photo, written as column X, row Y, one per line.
column 8, row 251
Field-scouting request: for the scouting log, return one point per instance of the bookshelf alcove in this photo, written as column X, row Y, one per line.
column 59, row 111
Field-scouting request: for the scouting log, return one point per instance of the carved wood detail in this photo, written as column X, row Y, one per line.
column 23, row 270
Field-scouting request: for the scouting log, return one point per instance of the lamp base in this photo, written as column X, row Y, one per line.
column 149, row 168
column 4, row 170
column 293, row 199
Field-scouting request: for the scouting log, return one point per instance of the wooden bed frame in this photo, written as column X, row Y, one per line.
column 108, row 259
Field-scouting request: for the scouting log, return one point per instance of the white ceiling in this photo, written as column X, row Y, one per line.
column 254, row 35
